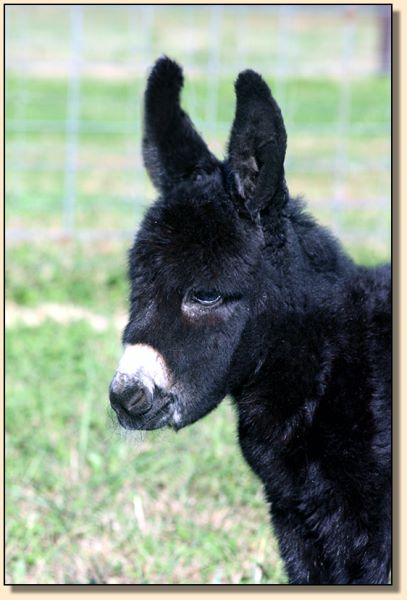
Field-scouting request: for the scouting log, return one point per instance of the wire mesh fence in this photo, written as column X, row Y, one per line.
column 74, row 81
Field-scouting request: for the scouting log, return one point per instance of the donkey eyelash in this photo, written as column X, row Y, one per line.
column 203, row 298
column 209, row 298
column 206, row 297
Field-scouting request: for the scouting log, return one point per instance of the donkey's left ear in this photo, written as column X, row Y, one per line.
column 172, row 149
column 257, row 145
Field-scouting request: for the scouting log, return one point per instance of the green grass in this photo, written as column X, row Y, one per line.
column 92, row 276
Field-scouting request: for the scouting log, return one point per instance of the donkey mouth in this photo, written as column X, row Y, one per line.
column 152, row 419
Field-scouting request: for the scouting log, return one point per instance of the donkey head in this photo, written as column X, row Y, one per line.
column 197, row 264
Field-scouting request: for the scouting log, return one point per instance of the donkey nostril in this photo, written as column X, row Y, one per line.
column 131, row 397
column 140, row 400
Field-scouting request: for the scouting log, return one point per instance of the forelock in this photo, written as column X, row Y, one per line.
column 194, row 231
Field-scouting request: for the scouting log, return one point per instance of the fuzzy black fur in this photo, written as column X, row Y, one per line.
column 301, row 340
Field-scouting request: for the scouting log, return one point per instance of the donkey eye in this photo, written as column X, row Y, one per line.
column 206, row 297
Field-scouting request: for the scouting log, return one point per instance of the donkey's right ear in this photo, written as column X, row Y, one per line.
column 257, row 145
column 172, row 150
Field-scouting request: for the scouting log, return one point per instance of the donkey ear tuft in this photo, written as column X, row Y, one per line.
column 165, row 80
column 167, row 69
column 172, row 149
column 258, row 144
column 251, row 84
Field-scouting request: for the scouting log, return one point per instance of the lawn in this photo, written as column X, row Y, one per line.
column 86, row 503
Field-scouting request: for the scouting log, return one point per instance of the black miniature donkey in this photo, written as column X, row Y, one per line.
column 236, row 290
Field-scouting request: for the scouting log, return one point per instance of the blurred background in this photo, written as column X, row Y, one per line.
column 85, row 505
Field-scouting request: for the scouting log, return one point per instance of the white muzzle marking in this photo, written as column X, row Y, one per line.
column 142, row 362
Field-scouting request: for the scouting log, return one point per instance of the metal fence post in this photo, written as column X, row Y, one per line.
column 72, row 122
column 341, row 161
column 22, row 32
column 385, row 34
column 213, row 67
